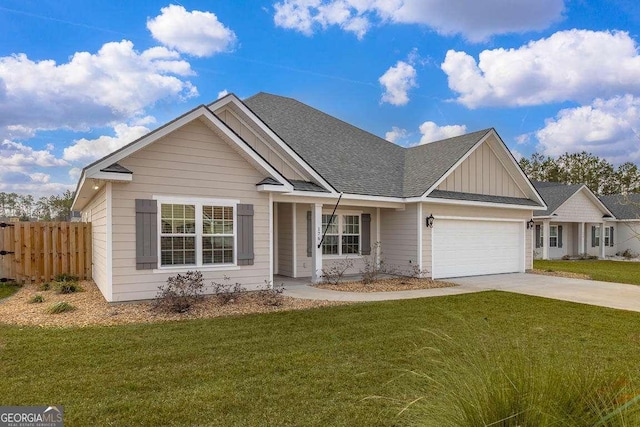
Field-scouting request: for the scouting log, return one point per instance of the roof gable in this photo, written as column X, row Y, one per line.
column 570, row 201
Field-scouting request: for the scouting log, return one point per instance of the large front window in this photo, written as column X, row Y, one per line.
column 196, row 234
column 553, row 236
column 342, row 236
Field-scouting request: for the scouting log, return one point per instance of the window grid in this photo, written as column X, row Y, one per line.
column 178, row 234
column 342, row 235
column 597, row 239
column 553, row 236
column 350, row 234
column 217, row 235
column 330, row 243
column 607, row 236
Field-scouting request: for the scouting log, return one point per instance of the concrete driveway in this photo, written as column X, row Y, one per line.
column 604, row 294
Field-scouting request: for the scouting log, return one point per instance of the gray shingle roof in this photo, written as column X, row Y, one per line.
column 268, row 181
column 440, row 194
column 353, row 160
column 623, row 207
column 554, row 194
column 306, row 186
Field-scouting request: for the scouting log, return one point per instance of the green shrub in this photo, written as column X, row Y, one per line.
column 45, row 286
column 36, row 299
column 65, row 277
column 66, row 287
column 60, row 307
column 507, row 384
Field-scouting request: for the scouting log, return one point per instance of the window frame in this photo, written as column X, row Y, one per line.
column 340, row 216
column 199, row 234
column 551, row 236
column 541, row 237
column 596, row 242
column 607, row 237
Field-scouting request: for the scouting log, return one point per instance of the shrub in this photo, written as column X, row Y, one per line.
column 226, row 292
column 180, row 292
column 36, row 299
column 566, row 257
column 45, row 286
column 373, row 266
column 60, row 307
column 629, row 254
column 66, row 287
column 65, row 277
column 333, row 275
column 271, row 296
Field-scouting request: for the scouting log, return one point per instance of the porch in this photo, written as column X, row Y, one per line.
column 558, row 239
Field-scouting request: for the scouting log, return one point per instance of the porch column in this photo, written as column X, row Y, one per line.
column 581, row 248
column 545, row 239
column 316, row 252
column 602, row 247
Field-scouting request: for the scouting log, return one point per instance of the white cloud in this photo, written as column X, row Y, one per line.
column 86, row 150
column 196, row 33
column 606, row 128
column 18, row 155
column 523, row 139
column 397, row 81
column 114, row 84
column 432, row 132
column 516, row 155
column 574, row 65
column 396, row 134
column 475, row 20
column 223, row 93
column 74, row 173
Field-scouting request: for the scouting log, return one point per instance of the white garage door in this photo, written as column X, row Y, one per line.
column 469, row 248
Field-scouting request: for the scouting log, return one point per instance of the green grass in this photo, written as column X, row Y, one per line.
column 606, row 271
column 8, row 289
column 338, row 366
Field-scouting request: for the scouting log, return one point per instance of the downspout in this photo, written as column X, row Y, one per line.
column 330, row 220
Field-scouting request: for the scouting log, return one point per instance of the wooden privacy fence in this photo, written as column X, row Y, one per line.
column 38, row 251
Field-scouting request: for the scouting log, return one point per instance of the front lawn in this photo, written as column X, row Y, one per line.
column 7, row 289
column 338, row 366
column 606, row 271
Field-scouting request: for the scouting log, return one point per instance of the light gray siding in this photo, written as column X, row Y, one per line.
column 399, row 232
column 627, row 236
column 579, row 208
column 96, row 213
column 285, row 238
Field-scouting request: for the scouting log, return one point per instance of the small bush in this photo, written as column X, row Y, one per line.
column 629, row 254
column 180, row 293
column 271, row 296
column 65, row 277
column 374, row 266
column 45, row 286
column 226, row 292
column 60, row 307
column 566, row 257
column 66, row 287
column 36, row 299
column 334, row 274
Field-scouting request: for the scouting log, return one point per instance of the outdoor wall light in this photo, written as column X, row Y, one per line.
column 430, row 219
column 530, row 224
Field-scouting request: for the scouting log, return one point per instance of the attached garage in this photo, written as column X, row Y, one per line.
column 463, row 247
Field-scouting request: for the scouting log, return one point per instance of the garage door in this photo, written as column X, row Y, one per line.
column 469, row 248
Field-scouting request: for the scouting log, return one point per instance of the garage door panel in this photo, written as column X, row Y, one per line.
column 474, row 247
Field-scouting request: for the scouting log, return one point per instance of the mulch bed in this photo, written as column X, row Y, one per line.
column 560, row 274
column 92, row 309
column 386, row 285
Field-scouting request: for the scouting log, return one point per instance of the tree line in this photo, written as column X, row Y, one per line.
column 583, row 168
column 26, row 208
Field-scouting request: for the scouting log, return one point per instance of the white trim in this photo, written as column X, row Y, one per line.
column 109, row 240
column 272, row 188
column 295, row 240
column 475, row 218
column 83, row 178
column 271, row 239
column 340, row 214
column 198, row 235
column 524, row 244
column 557, row 236
column 112, row 176
column 487, row 204
column 231, row 98
column 419, row 233
column 204, row 269
column 378, row 243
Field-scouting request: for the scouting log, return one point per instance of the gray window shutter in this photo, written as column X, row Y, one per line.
column 245, row 235
column 593, row 236
column 366, row 234
column 146, row 234
column 537, row 235
column 611, row 236
column 309, row 235
column 559, row 236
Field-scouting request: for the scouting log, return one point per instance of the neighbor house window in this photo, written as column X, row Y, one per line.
column 607, row 236
column 596, row 240
column 541, row 237
column 553, row 236
column 342, row 236
column 196, row 234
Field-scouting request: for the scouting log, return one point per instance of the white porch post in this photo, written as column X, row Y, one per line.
column 581, row 248
column 377, row 243
column 545, row 239
column 602, row 247
column 316, row 252
column 294, row 225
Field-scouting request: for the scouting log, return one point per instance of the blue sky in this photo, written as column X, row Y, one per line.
column 79, row 79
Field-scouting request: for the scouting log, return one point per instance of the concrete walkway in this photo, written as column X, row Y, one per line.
column 604, row 294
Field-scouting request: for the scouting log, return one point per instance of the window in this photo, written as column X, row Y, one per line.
column 607, row 236
column 197, row 234
column 596, row 240
column 342, row 236
column 541, row 236
column 553, row 236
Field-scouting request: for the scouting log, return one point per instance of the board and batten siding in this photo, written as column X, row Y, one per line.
column 399, row 237
column 259, row 144
column 474, row 212
column 192, row 161
column 95, row 212
column 304, row 262
column 482, row 173
column 285, row 238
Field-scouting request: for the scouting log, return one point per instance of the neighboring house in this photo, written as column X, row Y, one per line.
column 626, row 209
column 246, row 189
column 577, row 222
